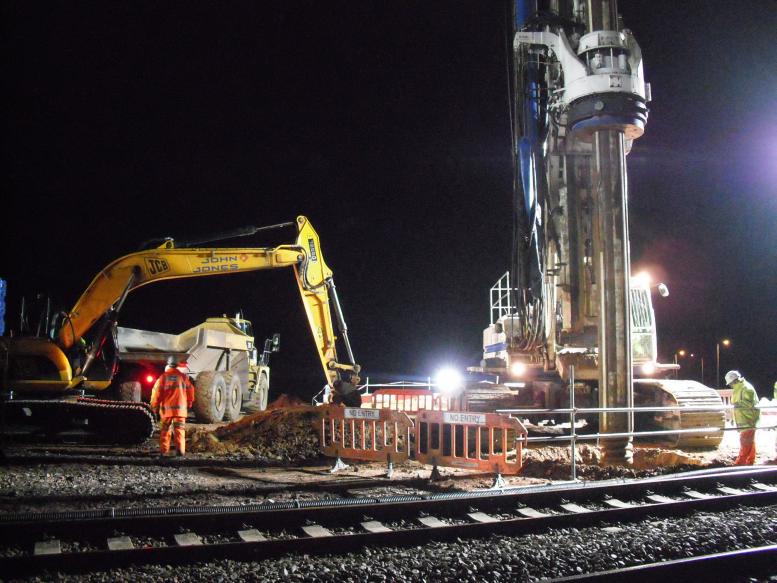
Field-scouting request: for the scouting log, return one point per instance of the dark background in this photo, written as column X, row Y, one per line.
column 386, row 123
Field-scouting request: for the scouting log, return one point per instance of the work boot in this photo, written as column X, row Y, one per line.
column 181, row 454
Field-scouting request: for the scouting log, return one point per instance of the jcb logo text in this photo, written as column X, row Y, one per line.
column 156, row 266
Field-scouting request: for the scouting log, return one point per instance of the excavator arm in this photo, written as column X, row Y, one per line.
column 111, row 285
column 103, row 298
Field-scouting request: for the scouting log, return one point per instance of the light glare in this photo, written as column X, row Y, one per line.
column 518, row 369
column 643, row 278
column 648, row 368
column 448, row 380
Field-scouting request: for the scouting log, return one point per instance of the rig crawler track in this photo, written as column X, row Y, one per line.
column 115, row 538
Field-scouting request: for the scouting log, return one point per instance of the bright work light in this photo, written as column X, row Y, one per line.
column 643, row 278
column 448, row 380
column 648, row 368
column 518, row 369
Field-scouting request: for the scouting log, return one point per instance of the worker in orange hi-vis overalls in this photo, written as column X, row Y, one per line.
column 171, row 397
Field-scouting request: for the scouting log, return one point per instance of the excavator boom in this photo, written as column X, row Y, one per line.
column 168, row 262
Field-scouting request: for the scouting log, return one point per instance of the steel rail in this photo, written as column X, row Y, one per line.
column 468, row 511
column 62, row 522
column 729, row 566
column 620, row 486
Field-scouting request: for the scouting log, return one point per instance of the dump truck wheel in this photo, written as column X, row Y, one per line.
column 258, row 401
column 210, row 397
column 234, row 398
column 264, row 389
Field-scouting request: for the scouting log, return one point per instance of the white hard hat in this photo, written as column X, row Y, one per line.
column 732, row 375
column 171, row 361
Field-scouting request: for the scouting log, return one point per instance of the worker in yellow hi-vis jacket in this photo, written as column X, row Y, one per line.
column 746, row 415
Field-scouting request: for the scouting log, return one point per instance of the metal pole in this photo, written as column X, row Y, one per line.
column 573, row 448
column 717, row 364
column 612, row 240
column 701, row 358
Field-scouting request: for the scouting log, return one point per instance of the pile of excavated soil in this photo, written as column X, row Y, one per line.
column 554, row 463
column 278, row 435
column 285, row 401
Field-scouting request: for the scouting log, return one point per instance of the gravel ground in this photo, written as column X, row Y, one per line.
column 499, row 558
column 66, row 480
column 58, row 487
column 46, row 488
column 52, row 487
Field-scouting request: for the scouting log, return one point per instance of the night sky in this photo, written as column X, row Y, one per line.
column 386, row 123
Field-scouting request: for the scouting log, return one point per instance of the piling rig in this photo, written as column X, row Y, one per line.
column 578, row 103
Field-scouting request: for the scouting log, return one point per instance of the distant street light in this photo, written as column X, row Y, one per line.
column 725, row 342
column 678, row 354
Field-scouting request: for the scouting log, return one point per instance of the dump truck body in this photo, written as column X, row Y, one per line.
column 221, row 356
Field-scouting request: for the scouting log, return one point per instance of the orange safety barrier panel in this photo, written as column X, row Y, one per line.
column 488, row 442
column 410, row 400
column 364, row 434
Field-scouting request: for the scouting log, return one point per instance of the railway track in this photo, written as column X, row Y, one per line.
column 92, row 540
column 714, row 567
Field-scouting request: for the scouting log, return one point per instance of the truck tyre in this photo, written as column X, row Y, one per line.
column 210, row 398
column 234, row 398
column 129, row 391
column 264, row 389
column 258, row 401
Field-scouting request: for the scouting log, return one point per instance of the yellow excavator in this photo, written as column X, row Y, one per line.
column 46, row 378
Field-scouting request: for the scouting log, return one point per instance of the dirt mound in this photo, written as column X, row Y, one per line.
column 554, row 463
column 285, row 401
column 652, row 458
column 275, row 436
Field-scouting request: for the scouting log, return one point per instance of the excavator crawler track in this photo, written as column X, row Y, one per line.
column 682, row 393
column 84, row 419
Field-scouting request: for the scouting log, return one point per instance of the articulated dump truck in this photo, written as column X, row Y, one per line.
column 228, row 373
column 70, row 375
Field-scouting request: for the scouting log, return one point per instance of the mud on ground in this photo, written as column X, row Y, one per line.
column 285, row 434
column 280, row 435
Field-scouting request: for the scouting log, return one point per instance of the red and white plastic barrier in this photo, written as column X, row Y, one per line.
column 487, row 442
column 363, row 434
column 410, row 400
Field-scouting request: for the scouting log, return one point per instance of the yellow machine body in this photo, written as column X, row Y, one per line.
column 42, row 365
